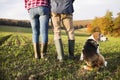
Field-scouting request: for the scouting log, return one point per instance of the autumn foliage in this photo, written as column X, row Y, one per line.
column 106, row 25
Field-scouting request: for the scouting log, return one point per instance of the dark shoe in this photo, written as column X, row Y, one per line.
column 71, row 57
column 71, row 44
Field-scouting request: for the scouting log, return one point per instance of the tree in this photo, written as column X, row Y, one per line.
column 103, row 24
column 108, row 15
column 116, row 27
column 108, row 21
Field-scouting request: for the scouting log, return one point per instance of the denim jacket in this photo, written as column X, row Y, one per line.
column 62, row 6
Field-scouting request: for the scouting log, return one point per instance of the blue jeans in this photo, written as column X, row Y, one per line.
column 39, row 18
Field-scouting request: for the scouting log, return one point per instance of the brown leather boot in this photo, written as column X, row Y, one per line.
column 36, row 50
column 44, row 50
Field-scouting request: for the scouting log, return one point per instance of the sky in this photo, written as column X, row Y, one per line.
column 83, row 9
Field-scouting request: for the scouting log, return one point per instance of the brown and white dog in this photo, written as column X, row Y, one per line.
column 91, row 54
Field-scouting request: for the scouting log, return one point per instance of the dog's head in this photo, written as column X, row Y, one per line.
column 103, row 38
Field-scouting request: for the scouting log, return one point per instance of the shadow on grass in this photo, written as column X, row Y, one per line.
column 4, row 39
column 113, row 60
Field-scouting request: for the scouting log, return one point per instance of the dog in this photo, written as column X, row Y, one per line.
column 91, row 54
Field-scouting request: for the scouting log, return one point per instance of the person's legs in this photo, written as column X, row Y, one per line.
column 44, row 24
column 35, row 29
column 56, row 20
column 44, row 20
column 67, row 20
column 34, row 19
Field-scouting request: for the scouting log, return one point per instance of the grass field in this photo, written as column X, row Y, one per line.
column 14, row 29
column 17, row 62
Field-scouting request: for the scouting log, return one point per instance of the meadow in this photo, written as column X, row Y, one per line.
column 17, row 58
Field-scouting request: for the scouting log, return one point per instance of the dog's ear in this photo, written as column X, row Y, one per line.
column 96, row 36
column 94, row 43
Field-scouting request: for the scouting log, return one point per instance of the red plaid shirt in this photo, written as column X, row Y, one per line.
column 35, row 3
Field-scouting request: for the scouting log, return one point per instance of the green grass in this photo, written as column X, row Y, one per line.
column 14, row 29
column 17, row 59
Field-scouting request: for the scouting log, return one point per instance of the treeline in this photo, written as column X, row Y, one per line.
column 12, row 22
column 107, row 25
column 26, row 23
column 81, row 23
